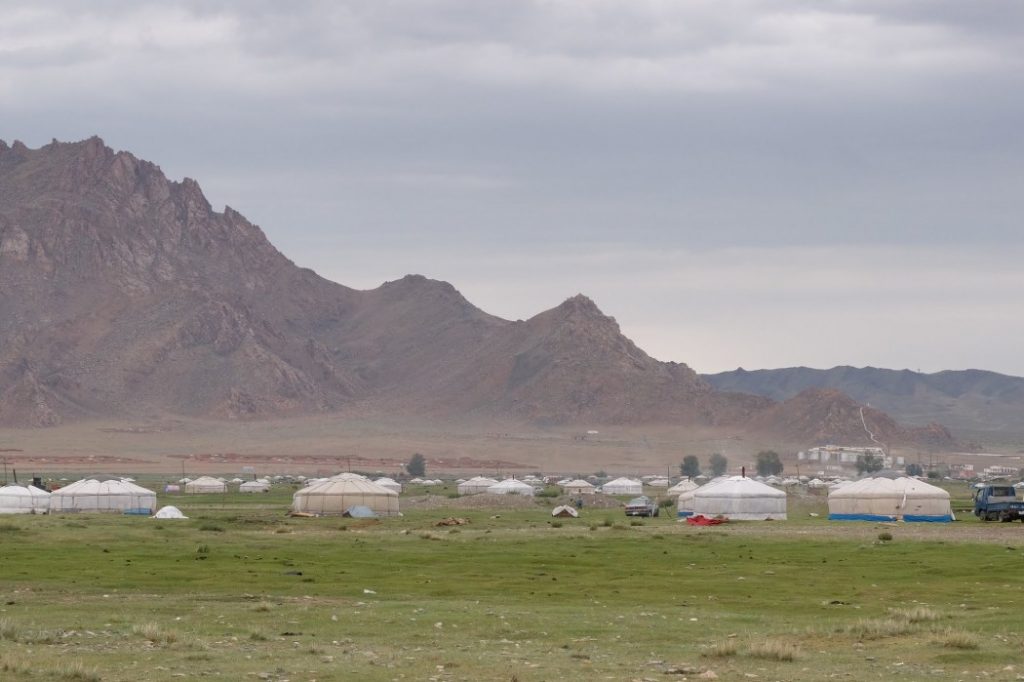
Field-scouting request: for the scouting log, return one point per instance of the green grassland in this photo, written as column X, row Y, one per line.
column 240, row 591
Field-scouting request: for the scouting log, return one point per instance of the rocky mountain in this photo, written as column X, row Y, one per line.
column 973, row 400
column 123, row 293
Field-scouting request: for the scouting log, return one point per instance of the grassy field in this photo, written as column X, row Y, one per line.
column 239, row 591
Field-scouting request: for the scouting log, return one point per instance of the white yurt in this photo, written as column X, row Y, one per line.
column 578, row 487
column 169, row 512
column 683, row 486
column 684, row 504
column 623, row 486
column 20, row 499
column 389, row 483
column 511, row 487
column 339, row 493
column 887, row 499
column 476, row 485
column 258, row 486
column 661, row 482
column 110, row 495
column 205, row 485
column 741, row 499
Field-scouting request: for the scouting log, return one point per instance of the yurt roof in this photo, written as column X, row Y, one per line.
column 23, row 491
column 683, row 487
column 384, row 479
column 349, row 485
column 622, row 481
column 578, row 483
column 207, row 480
column 887, row 487
column 737, row 486
column 511, row 484
column 92, row 486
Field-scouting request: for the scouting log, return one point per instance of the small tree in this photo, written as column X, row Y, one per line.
column 690, row 466
column 868, row 464
column 915, row 470
column 417, row 465
column 768, row 463
column 718, row 463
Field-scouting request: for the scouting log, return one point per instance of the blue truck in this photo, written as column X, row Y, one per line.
column 998, row 503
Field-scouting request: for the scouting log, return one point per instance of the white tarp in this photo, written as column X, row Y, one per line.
column 169, row 512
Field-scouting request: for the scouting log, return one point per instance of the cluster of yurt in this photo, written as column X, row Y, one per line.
column 623, row 486
column 476, row 485
column 205, row 485
column 22, row 499
column 338, row 494
column 260, row 485
column 578, row 487
column 887, row 499
column 734, row 497
column 106, row 495
column 511, row 487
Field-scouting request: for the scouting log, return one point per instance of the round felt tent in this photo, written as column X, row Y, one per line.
column 623, row 486
column 18, row 499
column 683, row 486
column 109, row 495
column 887, row 499
column 205, row 485
column 578, row 487
column 476, row 485
column 339, row 493
column 389, row 483
column 742, row 499
column 511, row 487
column 257, row 486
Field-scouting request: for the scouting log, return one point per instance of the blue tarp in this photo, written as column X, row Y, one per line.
column 684, row 514
column 360, row 512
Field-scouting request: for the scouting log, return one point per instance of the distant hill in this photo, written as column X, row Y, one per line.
column 962, row 399
column 123, row 293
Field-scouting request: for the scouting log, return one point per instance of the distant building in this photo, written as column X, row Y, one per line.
column 839, row 453
column 996, row 471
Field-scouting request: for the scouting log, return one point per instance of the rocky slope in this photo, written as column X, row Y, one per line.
column 123, row 293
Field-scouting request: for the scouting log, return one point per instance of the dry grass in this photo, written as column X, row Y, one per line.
column 880, row 628
column 916, row 614
column 957, row 639
column 726, row 648
column 154, row 633
column 774, row 650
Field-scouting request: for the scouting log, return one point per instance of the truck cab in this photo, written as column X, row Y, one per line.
column 998, row 503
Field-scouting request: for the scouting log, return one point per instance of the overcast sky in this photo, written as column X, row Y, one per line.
column 749, row 183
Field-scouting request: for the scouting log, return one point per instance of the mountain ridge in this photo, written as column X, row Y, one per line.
column 123, row 292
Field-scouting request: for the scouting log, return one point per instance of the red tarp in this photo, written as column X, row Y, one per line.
column 701, row 520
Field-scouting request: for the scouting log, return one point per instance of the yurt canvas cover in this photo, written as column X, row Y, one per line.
column 684, row 486
column 338, row 493
column 17, row 499
column 741, row 499
column 254, row 487
column 476, row 485
column 390, row 484
column 885, row 499
column 112, row 495
column 623, row 486
column 578, row 487
column 205, row 485
column 511, row 487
